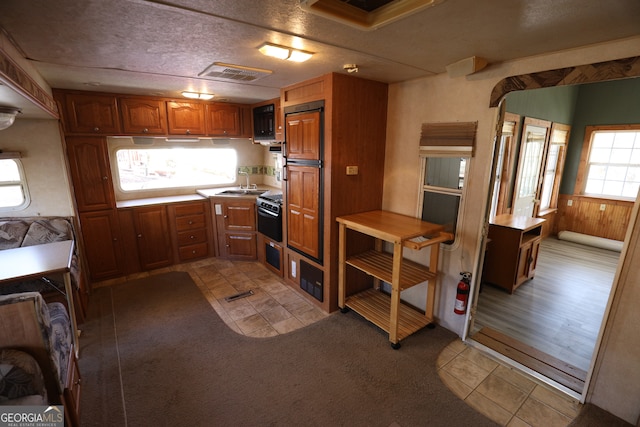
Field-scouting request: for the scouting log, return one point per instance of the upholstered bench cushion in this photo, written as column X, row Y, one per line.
column 60, row 338
column 21, row 381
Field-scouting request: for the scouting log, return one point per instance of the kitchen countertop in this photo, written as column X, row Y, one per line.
column 198, row 195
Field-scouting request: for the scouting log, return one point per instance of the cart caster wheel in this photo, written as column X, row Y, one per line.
column 431, row 326
column 395, row 346
column 344, row 310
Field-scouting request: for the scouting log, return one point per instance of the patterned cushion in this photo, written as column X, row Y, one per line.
column 12, row 233
column 48, row 231
column 20, row 378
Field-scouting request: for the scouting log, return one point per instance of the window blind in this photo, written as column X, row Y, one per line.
column 448, row 139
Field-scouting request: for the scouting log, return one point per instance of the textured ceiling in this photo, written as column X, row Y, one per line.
column 160, row 47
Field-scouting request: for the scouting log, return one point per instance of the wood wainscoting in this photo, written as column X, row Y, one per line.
column 585, row 215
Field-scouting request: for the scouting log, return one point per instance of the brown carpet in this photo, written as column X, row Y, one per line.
column 182, row 366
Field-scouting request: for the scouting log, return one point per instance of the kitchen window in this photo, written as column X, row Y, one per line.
column 14, row 194
column 611, row 162
column 442, row 190
column 141, row 169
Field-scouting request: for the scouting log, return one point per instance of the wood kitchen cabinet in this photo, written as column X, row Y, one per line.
column 89, row 113
column 143, row 116
column 236, row 228
column 223, row 119
column 512, row 251
column 190, row 222
column 186, row 118
column 90, row 172
column 153, row 236
column 352, row 128
column 102, row 244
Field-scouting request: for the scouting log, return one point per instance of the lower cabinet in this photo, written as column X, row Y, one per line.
column 236, row 228
column 512, row 251
column 102, row 244
column 71, row 394
column 191, row 232
column 270, row 253
column 146, row 238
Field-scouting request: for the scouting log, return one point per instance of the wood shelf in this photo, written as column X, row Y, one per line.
column 375, row 306
column 388, row 312
column 380, row 266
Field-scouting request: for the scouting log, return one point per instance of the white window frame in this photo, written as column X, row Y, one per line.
column 26, row 198
column 461, row 193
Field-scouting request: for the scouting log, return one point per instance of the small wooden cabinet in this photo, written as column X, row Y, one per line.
column 153, row 237
column 223, row 120
column 143, row 116
column 186, row 118
column 102, row 243
column 190, row 221
column 71, row 394
column 90, row 172
column 236, row 228
column 90, row 113
column 512, row 251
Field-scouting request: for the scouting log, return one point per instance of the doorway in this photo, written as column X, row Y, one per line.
column 522, row 189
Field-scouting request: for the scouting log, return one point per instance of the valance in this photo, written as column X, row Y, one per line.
column 448, row 139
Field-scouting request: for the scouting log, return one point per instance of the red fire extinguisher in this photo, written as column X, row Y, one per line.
column 462, row 294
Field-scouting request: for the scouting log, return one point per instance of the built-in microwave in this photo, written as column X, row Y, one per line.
column 264, row 123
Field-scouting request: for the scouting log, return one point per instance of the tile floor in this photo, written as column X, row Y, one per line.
column 498, row 391
column 505, row 395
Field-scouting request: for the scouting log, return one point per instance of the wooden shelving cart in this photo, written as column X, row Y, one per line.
column 387, row 311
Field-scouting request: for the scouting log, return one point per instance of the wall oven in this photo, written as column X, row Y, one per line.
column 270, row 216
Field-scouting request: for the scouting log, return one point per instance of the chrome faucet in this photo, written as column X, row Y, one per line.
column 248, row 185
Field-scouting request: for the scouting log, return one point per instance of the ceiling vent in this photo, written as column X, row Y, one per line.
column 235, row 73
column 366, row 14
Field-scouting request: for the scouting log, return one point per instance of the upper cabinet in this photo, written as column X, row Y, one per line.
column 224, row 120
column 186, row 118
column 144, row 116
column 90, row 113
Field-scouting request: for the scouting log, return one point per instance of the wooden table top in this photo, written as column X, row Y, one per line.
column 35, row 261
column 389, row 226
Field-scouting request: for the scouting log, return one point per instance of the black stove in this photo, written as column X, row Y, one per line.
column 270, row 202
column 270, row 215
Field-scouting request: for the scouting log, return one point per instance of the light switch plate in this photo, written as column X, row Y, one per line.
column 352, row 170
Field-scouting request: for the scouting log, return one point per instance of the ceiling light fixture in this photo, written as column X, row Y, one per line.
column 7, row 116
column 283, row 52
column 197, row 95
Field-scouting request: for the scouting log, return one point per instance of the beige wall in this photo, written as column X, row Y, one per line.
column 443, row 99
column 43, row 161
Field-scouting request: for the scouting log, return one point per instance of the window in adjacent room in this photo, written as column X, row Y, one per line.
column 14, row 194
column 159, row 167
column 610, row 165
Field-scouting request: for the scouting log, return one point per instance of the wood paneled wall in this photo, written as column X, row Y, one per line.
column 585, row 216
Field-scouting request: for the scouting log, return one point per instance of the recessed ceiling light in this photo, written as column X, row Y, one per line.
column 197, row 95
column 284, row 52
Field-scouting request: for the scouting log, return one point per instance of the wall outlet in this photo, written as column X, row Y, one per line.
column 603, row 207
column 352, row 170
column 569, row 202
column 293, row 269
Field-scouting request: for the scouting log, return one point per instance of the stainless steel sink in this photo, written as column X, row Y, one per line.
column 243, row 192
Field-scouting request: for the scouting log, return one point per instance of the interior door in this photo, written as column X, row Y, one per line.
column 529, row 179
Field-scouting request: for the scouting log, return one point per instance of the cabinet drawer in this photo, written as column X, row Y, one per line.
column 190, row 222
column 193, row 251
column 191, row 237
column 189, row 209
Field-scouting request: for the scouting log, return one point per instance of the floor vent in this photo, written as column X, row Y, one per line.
column 236, row 73
column 238, row 296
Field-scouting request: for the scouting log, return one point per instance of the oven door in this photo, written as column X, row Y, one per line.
column 270, row 224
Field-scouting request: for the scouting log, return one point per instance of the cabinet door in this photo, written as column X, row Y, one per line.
column 223, row 120
column 90, row 113
column 527, row 261
column 303, row 209
column 241, row 245
column 102, row 248
column 90, row 172
column 143, row 116
column 154, row 240
column 239, row 216
column 185, row 118
column 303, row 136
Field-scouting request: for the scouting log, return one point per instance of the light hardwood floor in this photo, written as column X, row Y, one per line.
column 560, row 310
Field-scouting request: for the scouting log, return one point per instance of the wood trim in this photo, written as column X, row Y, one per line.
column 589, row 73
column 547, row 365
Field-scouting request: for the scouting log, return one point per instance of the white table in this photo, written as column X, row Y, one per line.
column 40, row 260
